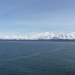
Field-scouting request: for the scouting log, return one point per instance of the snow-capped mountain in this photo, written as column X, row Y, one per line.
column 45, row 35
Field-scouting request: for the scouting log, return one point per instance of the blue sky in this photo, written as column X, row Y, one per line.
column 32, row 16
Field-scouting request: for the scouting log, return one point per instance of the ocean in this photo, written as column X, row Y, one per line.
column 37, row 58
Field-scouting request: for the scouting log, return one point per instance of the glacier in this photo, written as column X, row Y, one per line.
column 42, row 36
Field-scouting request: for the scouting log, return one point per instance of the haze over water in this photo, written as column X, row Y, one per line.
column 37, row 58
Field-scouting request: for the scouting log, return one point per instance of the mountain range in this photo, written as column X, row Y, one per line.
column 42, row 36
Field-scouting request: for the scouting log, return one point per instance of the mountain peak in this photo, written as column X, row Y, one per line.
column 45, row 35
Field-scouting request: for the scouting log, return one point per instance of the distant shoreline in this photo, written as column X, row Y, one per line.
column 57, row 40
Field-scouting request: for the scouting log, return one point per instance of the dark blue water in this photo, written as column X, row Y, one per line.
column 37, row 58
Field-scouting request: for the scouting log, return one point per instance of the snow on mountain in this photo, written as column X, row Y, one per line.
column 45, row 35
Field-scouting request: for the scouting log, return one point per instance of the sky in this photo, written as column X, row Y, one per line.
column 21, row 17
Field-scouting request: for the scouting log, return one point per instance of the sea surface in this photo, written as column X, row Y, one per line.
column 37, row 58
